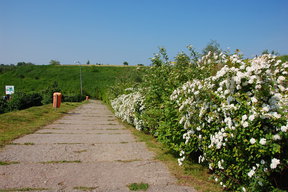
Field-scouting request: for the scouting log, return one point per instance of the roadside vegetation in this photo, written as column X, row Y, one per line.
column 190, row 174
column 36, row 78
column 35, row 85
column 222, row 118
column 18, row 123
column 217, row 110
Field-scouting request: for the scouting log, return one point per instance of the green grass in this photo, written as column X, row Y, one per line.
column 18, row 123
column 190, row 174
column 96, row 79
column 84, row 188
column 81, row 151
column 56, row 162
column 69, row 143
column 29, row 143
column 128, row 161
column 138, row 186
column 8, row 162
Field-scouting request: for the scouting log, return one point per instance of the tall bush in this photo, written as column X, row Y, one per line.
column 227, row 113
column 22, row 100
column 237, row 121
column 47, row 94
column 3, row 106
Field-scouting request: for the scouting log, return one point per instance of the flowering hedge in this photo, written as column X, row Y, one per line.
column 125, row 107
column 238, row 120
column 233, row 119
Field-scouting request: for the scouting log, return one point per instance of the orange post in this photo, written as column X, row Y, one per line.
column 57, row 99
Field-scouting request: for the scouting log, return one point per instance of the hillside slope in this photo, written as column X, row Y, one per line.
column 35, row 78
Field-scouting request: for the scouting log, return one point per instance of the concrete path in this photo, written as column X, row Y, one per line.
column 87, row 150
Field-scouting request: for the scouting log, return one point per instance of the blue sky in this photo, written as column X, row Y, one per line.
column 114, row 31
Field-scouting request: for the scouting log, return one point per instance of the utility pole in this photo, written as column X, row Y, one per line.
column 80, row 77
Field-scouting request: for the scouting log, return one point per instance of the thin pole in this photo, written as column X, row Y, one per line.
column 80, row 77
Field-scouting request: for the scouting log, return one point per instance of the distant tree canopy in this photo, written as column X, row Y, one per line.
column 212, row 46
column 88, row 62
column 125, row 63
column 4, row 68
column 24, row 63
column 54, row 62
column 273, row 52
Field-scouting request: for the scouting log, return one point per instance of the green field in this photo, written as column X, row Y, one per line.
column 35, row 78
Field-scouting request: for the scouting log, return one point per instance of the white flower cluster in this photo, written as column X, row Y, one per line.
column 213, row 58
column 217, row 139
column 182, row 158
column 125, row 106
column 219, row 100
column 274, row 163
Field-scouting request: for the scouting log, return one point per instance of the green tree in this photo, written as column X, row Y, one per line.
column 273, row 52
column 125, row 63
column 213, row 46
column 47, row 94
column 54, row 62
column 24, row 63
column 88, row 62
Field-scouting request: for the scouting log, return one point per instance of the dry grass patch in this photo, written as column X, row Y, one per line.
column 81, row 151
column 85, row 188
column 64, row 161
column 128, row 161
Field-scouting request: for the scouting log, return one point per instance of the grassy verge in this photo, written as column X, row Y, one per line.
column 190, row 174
column 8, row 162
column 138, row 186
column 55, row 162
column 18, row 123
column 85, row 188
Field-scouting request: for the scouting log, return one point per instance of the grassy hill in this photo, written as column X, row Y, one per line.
column 35, row 78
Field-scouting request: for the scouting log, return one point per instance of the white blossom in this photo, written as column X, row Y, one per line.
column 252, row 117
column 276, row 137
column 280, row 79
column 251, row 173
column 245, row 124
column 254, row 100
column 274, row 163
column 220, row 164
column 262, row 141
column 284, row 128
column 252, row 141
column 266, row 108
column 244, row 117
column 210, row 166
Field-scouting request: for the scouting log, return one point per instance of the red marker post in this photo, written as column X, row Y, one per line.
column 57, row 97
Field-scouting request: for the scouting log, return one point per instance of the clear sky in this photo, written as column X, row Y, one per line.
column 114, row 31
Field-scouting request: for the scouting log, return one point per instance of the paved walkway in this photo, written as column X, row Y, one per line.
column 88, row 149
